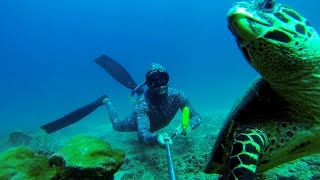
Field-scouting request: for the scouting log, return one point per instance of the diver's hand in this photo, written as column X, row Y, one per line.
column 162, row 138
column 181, row 130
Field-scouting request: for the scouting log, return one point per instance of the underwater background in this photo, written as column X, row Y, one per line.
column 47, row 50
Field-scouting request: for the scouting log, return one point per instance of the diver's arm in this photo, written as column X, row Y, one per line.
column 143, row 128
column 195, row 118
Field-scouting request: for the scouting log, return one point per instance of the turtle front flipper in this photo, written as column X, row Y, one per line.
column 244, row 154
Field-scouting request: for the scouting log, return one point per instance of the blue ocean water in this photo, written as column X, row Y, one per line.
column 47, row 50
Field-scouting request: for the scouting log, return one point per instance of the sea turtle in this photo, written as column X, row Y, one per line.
column 278, row 119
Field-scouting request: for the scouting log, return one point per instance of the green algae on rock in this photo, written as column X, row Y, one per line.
column 24, row 163
column 88, row 157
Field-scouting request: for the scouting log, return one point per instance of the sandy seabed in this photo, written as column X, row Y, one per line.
column 189, row 153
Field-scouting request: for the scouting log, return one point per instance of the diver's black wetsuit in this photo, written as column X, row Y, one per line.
column 151, row 113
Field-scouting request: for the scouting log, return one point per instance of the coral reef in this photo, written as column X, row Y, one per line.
column 88, row 157
column 24, row 163
column 83, row 157
column 18, row 138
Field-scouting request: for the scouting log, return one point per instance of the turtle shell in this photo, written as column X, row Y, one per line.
column 259, row 104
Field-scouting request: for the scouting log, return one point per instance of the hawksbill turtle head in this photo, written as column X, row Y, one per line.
column 276, row 40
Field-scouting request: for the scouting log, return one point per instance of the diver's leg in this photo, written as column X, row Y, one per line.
column 244, row 153
column 126, row 125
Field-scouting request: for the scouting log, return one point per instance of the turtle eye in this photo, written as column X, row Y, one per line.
column 268, row 5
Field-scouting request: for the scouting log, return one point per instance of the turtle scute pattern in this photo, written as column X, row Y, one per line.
column 278, row 119
column 244, row 153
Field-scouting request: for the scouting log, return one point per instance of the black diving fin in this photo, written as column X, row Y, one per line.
column 73, row 116
column 119, row 73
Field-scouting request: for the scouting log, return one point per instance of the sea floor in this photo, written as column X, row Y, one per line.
column 189, row 153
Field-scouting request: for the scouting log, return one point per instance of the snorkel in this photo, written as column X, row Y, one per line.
column 156, row 79
column 138, row 90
